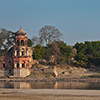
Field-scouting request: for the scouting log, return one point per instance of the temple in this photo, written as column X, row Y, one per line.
column 18, row 60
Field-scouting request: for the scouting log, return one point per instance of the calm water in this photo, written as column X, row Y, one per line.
column 50, row 85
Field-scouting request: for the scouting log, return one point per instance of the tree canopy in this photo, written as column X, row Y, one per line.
column 88, row 54
column 30, row 43
column 47, row 35
column 38, row 52
column 58, row 49
column 6, row 39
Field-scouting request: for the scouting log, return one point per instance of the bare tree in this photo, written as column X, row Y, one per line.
column 6, row 39
column 49, row 34
column 35, row 40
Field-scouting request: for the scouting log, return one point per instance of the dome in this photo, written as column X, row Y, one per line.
column 20, row 32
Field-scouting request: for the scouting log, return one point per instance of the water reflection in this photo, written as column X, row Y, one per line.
column 50, row 85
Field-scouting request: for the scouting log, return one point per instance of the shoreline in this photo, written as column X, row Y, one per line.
column 49, row 79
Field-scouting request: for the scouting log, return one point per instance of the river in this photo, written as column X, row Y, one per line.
column 51, row 85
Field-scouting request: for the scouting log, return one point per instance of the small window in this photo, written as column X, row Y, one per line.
column 17, row 53
column 23, row 65
column 3, row 65
column 17, row 65
column 18, row 42
column 22, row 53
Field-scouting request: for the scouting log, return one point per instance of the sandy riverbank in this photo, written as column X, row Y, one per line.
column 48, row 94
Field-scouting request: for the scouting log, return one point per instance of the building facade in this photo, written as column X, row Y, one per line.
column 18, row 61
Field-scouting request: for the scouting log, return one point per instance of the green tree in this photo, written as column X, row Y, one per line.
column 88, row 53
column 81, row 47
column 30, row 43
column 53, row 49
column 38, row 52
column 60, row 51
column 81, row 60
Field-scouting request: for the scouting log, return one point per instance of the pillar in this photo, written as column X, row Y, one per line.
column 20, row 64
column 25, row 65
column 15, row 53
column 15, row 65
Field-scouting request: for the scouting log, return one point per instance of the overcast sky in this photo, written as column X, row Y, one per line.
column 77, row 20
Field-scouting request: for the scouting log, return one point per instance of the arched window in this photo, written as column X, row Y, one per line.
column 22, row 53
column 22, row 42
column 18, row 42
column 17, row 64
column 23, row 63
column 17, row 53
column 3, row 65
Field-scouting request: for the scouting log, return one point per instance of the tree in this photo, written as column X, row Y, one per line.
column 49, row 34
column 81, row 47
column 30, row 43
column 60, row 51
column 6, row 39
column 35, row 40
column 2, row 39
column 38, row 52
column 53, row 50
column 81, row 60
column 88, row 54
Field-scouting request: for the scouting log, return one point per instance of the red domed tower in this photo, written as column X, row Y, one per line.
column 22, row 56
column 20, row 38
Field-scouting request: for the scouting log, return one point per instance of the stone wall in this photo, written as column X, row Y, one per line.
column 51, row 71
column 4, row 72
column 1, row 73
column 21, row 72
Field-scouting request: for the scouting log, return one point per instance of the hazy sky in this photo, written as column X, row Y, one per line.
column 77, row 20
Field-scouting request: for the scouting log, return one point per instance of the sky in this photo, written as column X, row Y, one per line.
column 77, row 20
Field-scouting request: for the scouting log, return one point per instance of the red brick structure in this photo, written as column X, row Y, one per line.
column 21, row 57
column 18, row 61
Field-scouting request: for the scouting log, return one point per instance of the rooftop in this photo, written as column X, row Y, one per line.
column 20, row 32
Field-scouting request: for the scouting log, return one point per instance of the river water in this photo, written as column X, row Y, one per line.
column 50, row 85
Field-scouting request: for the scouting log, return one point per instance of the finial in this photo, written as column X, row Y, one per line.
column 20, row 27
